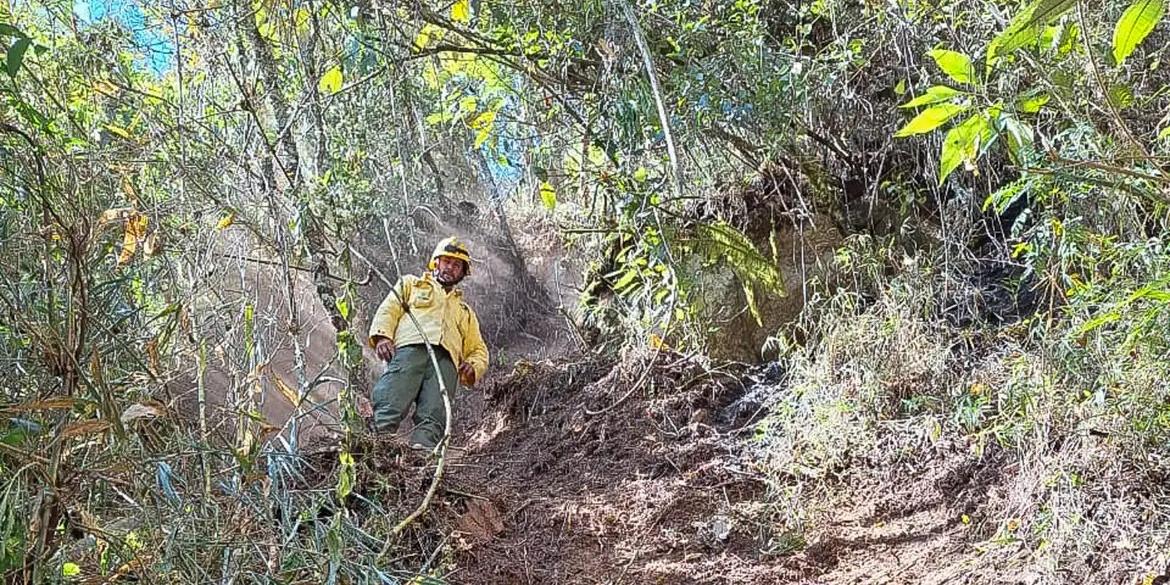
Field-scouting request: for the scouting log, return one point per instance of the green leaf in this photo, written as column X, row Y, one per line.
column 1068, row 38
column 16, row 55
column 345, row 475
column 933, row 95
column 548, row 195
column 626, row 280
column 1020, row 137
column 118, row 130
column 955, row 64
column 1026, row 27
column 29, row 113
column 1098, row 321
column 723, row 242
column 70, row 570
column 641, row 174
column 1164, row 133
column 331, row 82
column 1032, row 104
column 1121, row 96
column 930, row 119
column 1136, row 23
column 963, row 144
column 437, row 118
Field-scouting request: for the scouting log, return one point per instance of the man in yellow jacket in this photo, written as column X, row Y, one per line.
column 446, row 322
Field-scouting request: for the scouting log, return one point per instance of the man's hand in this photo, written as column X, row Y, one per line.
column 466, row 374
column 384, row 349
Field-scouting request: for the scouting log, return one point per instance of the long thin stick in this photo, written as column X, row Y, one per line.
column 445, row 441
column 676, row 179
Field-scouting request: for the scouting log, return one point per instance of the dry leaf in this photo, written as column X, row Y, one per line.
column 286, row 390
column 88, row 427
column 267, row 431
column 130, row 191
column 154, row 244
column 142, row 410
column 59, row 403
column 95, row 368
column 115, row 214
column 151, row 348
column 136, row 226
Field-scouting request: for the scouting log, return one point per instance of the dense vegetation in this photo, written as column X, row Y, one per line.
column 942, row 221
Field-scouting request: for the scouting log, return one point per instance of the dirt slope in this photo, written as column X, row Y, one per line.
column 652, row 489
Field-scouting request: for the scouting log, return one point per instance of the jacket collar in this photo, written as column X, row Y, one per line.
column 455, row 292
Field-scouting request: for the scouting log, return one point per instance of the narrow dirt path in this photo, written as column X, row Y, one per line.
column 652, row 490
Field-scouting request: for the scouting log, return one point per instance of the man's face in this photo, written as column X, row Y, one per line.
column 449, row 270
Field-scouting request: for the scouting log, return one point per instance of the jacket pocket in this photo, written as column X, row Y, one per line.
column 422, row 296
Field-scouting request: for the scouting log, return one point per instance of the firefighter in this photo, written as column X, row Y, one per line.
column 445, row 321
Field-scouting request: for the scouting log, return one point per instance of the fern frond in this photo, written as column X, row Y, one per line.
column 722, row 241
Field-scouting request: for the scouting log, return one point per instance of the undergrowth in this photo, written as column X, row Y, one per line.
column 1069, row 406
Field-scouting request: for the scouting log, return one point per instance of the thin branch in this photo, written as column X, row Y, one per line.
column 676, row 178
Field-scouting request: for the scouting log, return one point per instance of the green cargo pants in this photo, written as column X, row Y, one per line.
column 410, row 378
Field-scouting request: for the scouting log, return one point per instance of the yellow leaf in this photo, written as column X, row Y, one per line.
column 484, row 121
column 548, row 195
column 331, row 81
column 302, row 17
column 428, row 33
column 461, row 11
column 481, row 137
column 121, row 132
column 129, row 245
column 135, row 230
column 137, row 224
column 226, row 221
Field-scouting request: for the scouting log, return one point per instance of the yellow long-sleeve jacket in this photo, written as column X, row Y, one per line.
column 445, row 319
